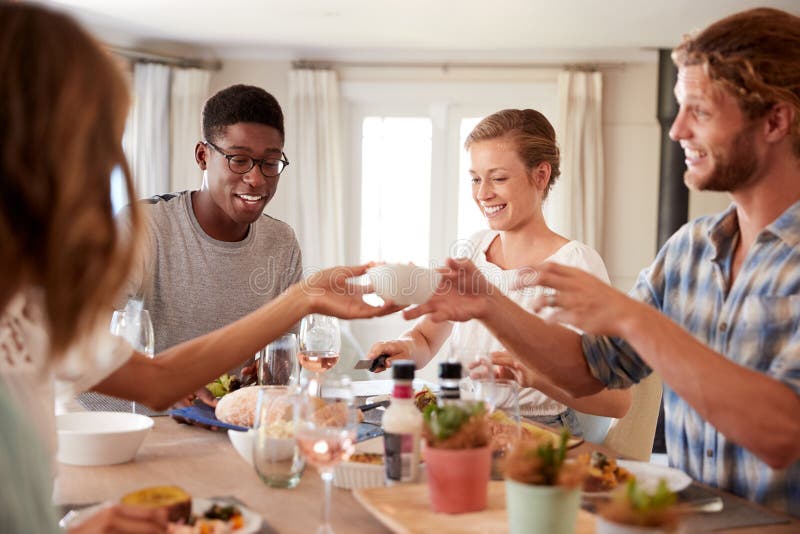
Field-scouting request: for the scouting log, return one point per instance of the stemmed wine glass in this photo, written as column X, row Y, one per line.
column 134, row 325
column 326, row 432
column 320, row 342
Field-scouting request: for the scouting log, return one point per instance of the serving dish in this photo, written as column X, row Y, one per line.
column 252, row 521
column 647, row 476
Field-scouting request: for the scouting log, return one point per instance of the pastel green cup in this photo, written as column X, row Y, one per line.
column 541, row 509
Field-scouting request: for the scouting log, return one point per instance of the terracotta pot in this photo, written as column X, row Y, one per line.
column 458, row 479
column 534, row 509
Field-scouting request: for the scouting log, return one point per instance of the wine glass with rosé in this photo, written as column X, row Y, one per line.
column 326, row 432
column 320, row 343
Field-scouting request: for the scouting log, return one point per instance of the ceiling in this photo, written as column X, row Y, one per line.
column 403, row 30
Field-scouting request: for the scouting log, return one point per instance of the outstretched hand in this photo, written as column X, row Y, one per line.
column 460, row 296
column 580, row 299
column 333, row 292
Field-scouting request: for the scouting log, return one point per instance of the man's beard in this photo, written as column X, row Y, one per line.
column 734, row 169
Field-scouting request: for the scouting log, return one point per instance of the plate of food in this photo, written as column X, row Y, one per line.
column 209, row 512
column 504, row 430
column 647, row 475
column 187, row 515
column 607, row 474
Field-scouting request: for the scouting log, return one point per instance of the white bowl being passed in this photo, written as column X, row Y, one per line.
column 100, row 438
column 403, row 284
column 281, row 449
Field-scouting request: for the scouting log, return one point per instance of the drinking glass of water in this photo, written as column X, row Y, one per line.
column 134, row 325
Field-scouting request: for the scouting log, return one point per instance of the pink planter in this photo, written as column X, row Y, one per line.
column 458, row 480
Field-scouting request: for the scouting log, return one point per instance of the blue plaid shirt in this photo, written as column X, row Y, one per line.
column 755, row 324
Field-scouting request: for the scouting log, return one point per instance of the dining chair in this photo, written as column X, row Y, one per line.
column 632, row 435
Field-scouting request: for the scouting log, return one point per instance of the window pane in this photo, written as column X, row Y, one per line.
column 119, row 191
column 395, row 189
column 470, row 219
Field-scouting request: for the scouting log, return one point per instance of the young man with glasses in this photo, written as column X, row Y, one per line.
column 213, row 255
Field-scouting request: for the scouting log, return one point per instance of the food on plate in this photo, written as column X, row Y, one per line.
column 360, row 470
column 202, row 526
column 175, row 500
column 424, row 397
column 370, row 458
column 603, row 472
column 224, row 385
column 228, row 383
column 224, row 512
column 543, row 463
column 504, row 430
column 635, row 507
column 218, row 519
column 239, row 407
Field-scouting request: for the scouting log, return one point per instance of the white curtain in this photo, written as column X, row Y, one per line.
column 314, row 179
column 189, row 92
column 315, row 182
column 576, row 206
column 147, row 135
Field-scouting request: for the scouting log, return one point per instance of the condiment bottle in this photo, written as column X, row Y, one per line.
column 402, row 427
column 449, row 380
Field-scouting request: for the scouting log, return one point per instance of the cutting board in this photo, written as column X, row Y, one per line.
column 405, row 509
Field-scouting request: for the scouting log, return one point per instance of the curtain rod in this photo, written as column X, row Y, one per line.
column 173, row 61
column 322, row 65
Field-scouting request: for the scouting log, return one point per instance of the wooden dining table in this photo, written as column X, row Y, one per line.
column 204, row 463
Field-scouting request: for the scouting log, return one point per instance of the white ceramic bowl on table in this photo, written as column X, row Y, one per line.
column 359, row 475
column 100, row 438
column 403, row 284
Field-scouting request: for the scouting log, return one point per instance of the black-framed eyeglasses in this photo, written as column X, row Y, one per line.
column 241, row 164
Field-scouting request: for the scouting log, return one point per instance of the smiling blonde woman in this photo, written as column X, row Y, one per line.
column 514, row 165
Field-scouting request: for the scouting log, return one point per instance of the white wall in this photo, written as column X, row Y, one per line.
column 631, row 135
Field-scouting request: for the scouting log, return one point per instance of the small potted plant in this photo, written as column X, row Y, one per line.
column 636, row 511
column 542, row 488
column 457, row 457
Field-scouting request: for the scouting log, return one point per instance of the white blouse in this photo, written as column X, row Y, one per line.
column 480, row 341
column 29, row 376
